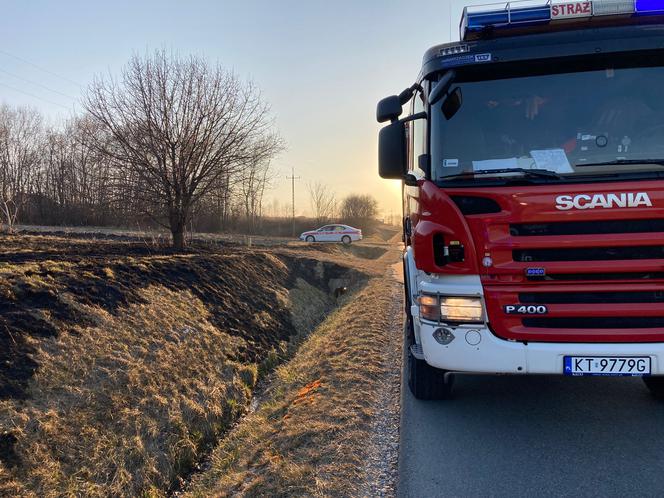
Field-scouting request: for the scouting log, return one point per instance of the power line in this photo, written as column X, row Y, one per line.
column 40, row 68
column 37, row 84
column 34, row 96
column 293, row 178
column 449, row 11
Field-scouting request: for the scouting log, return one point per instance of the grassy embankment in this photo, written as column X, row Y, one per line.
column 119, row 367
column 311, row 434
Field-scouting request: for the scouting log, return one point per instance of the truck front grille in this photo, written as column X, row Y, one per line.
column 588, row 254
column 589, row 277
column 587, row 227
column 591, row 297
column 632, row 322
column 471, row 204
column 600, row 280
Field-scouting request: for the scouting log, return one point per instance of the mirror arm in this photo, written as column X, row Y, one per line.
column 419, row 115
column 408, row 93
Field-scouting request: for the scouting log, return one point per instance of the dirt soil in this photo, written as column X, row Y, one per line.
column 121, row 363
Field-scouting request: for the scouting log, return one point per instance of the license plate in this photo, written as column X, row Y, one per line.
column 606, row 365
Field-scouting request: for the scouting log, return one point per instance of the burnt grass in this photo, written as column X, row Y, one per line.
column 39, row 270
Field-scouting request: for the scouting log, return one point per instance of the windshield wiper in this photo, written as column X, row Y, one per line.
column 619, row 162
column 527, row 173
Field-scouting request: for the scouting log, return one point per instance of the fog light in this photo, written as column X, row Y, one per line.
column 473, row 337
column 443, row 336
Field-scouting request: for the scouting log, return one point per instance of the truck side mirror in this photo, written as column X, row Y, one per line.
column 441, row 87
column 388, row 109
column 392, row 162
column 452, row 103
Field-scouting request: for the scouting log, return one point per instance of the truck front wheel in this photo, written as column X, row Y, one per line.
column 655, row 385
column 425, row 381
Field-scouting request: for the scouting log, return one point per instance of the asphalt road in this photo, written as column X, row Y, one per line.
column 533, row 436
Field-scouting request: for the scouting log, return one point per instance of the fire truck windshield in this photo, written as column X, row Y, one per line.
column 592, row 122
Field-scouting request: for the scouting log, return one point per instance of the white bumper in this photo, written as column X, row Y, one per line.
column 475, row 348
column 494, row 355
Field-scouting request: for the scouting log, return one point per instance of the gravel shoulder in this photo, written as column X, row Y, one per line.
column 381, row 466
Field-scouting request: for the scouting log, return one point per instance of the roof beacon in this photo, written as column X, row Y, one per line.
column 649, row 6
column 485, row 20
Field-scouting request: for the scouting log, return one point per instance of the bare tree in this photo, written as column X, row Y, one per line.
column 92, row 172
column 74, row 182
column 178, row 126
column 359, row 207
column 323, row 202
column 20, row 146
column 254, row 179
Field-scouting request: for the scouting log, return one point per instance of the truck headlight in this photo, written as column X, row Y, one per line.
column 451, row 309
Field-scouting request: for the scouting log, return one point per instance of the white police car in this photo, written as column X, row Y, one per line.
column 333, row 233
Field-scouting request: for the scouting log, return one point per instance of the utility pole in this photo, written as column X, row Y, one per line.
column 292, row 178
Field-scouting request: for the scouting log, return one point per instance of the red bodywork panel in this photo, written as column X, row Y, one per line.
column 505, row 281
column 439, row 214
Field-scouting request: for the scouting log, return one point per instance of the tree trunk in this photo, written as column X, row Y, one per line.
column 178, row 237
column 178, row 225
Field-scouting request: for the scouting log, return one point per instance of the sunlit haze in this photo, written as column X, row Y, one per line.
column 321, row 65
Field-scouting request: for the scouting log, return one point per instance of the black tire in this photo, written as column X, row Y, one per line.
column 310, row 238
column 655, row 385
column 425, row 381
column 345, row 240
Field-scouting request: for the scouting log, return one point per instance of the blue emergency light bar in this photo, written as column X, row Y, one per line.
column 482, row 20
column 649, row 6
column 525, row 13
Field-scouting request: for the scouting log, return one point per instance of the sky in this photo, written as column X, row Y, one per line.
column 321, row 65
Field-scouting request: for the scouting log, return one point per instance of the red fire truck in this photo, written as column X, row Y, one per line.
column 532, row 161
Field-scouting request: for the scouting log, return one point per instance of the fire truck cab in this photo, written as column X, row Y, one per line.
column 532, row 162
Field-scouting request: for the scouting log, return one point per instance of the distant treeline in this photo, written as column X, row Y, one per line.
column 57, row 177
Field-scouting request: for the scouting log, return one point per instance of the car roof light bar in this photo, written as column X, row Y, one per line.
column 482, row 20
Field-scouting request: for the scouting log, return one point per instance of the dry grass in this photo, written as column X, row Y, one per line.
column 125, row 406
column 308, row 438
column 123, row 369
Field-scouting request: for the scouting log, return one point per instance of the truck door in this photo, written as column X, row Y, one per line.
column 417, row 148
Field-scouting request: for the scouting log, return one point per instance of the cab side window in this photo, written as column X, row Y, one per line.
column 418, row 144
